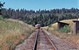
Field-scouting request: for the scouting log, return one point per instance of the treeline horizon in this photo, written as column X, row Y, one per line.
column 39, row 9
column 43, row 17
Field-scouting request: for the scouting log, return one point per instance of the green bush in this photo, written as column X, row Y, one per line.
column 1, row 18
column 65, row 29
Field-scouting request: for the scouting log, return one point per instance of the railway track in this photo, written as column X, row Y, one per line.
column 43, row 42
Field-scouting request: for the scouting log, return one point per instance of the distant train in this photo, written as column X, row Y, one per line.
column 37, row 26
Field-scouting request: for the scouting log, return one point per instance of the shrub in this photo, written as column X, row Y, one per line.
column 65, row 29
column 1, row 18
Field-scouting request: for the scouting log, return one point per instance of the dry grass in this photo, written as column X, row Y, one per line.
column 13, row 32
column 66, row 36
column 55, row 25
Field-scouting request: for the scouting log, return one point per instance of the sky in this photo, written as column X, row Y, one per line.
column 40, row 4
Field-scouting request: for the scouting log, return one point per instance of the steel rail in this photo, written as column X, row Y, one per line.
column 52, row 43
column 36, row 40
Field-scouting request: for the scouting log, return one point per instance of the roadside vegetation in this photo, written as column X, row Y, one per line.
column 64, row 33
column 43, row 17
column 13, row 32
column 65, row 29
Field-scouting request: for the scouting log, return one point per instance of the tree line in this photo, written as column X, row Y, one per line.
column 43, row 17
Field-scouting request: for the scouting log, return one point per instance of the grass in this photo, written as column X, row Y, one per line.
column 65, row 29
column 66, row 32
column 1, row 18
column 13, row 32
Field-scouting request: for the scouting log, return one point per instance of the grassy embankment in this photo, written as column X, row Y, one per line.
column 65, row 33
column 13, row 32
